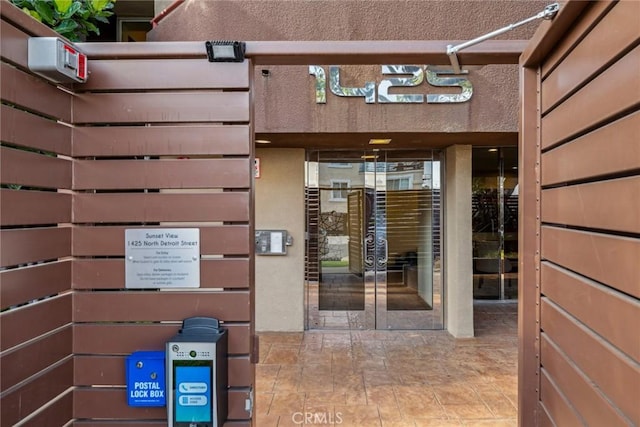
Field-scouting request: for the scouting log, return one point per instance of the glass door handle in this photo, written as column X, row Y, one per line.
column 368, row 243
column 384, row 260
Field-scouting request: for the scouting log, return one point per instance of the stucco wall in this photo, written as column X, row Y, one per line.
column 284, row 101
column 280, row 205
column 345, row 19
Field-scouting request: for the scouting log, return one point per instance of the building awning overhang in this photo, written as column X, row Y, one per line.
column 325, row 52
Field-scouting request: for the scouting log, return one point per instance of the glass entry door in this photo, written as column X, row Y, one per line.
column 373, row 249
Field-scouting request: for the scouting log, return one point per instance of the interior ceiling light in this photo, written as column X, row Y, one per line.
column 493, row 150
column 379, row 141
column 263, row 141
column 369, row 157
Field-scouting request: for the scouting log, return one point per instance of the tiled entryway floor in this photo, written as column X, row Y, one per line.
column 392, row 378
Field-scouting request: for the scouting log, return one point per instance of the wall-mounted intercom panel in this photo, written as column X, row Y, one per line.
column 272, row 242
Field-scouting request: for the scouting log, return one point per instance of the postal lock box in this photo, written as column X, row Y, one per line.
column 196, row 371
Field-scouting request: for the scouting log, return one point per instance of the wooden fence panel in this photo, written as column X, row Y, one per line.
column 25, row 129
column 24, row 400
column 36, row 364
column 34, row 320
column 35, row 357
column 32, row 93
column 617, row 85
column 21, row 285
column 29, row 245
column 155, row 306
column 214, row 240
column 23, row 207
column 227, row 273
column 609, row 150
column 599, row 46
column 178, row 155
column 588, row 400
column 166, row 174
column 596, row 205
column 34, row 170
column 617, row 378
column 574, row 294
column 123, row 338
column 160, row 207
column 162, row 140
column 165, row 107
column 139, row 74
column 585, row 111
column 107, row 370
column 105, row 403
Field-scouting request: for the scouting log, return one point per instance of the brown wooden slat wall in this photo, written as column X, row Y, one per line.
column 589, row 183
column 36, row 362
column 178, row 155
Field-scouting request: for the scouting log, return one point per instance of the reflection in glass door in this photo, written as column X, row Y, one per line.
column 373, row 249
column 495, row 223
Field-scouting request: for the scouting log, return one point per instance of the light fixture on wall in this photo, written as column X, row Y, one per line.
column 225, row 51
column 379, row 141
column 263, row 141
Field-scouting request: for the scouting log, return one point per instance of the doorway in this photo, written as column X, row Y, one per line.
column 373, row 249
column 494, row 214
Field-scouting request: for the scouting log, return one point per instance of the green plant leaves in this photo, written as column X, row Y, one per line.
column 35, row 15
column 62, row 5
column 70, row 18
column 45, row 10
column 66, row 26
column 76, row 6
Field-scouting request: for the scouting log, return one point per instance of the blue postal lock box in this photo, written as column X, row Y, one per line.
column 146, row 378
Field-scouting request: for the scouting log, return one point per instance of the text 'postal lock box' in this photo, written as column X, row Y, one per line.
column 145, row 372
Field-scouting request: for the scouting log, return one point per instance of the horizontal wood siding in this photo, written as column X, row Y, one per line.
column 31, row 245
column 123, row 338
column 168, row 173
column 107, row 370
column 165, row 107
column 162, row 140
column 21, row 285
column 214, row 240
column 160, row 207
column 227, row 273
column 24, row 129
column 23, row 401
column 138, row 74
column 159, row 150
column 44, row 171
column 590, row 224
column 36, row 362
column 618, row 86
column 32, row 93
column 25, row 207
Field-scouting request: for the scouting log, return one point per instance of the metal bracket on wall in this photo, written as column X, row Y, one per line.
column 549, row 12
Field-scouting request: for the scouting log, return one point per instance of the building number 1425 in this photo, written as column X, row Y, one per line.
column 414, row 75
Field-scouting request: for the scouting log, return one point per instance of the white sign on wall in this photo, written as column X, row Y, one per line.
column 162, row 258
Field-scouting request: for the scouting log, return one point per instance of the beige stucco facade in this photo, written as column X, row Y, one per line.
column 280, row 206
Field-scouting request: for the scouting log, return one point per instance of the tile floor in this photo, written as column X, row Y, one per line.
column 392, row 378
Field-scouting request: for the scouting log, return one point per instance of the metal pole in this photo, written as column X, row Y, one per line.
column 548, row 13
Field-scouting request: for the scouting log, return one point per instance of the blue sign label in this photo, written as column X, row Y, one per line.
column 193, row 393
column 146, row 379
